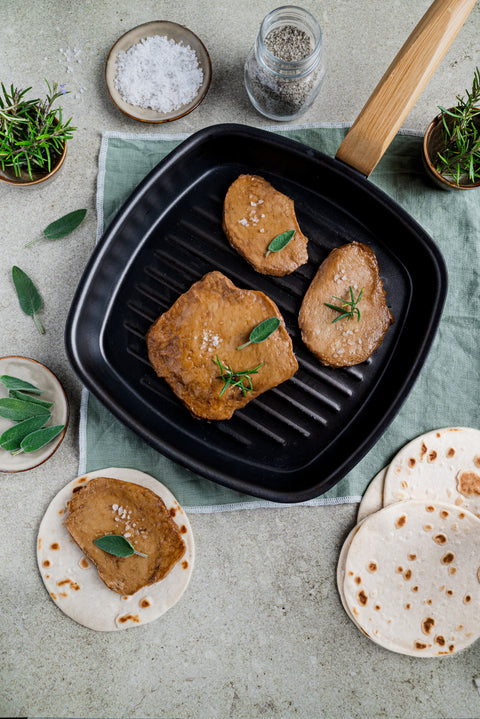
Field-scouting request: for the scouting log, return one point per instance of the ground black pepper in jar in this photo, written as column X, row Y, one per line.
column 284, row 70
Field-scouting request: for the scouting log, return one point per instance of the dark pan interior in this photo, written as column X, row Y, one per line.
column 297, row 440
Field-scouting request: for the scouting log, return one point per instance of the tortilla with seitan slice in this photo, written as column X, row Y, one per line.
column 411, row 578
column 107, row 506
column 441, row 465
column 73, row 582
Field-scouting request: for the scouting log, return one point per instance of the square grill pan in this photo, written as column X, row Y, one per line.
column 299, row 439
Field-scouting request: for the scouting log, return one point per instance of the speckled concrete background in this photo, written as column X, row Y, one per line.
column 260, row 632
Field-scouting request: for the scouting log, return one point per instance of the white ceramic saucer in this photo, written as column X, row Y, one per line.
column 37, row 374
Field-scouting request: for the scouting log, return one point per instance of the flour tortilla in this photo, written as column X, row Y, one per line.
column 73, row 582
column 372, row 499
column 342, row 562
column 433, row 467
column 434, row 610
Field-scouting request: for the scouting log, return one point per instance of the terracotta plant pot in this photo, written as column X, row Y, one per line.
column 432, row 144
column 38, row 176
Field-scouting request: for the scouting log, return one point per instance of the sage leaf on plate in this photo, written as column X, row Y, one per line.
column 40, row 437
column 15, row 383
column 17, row 410
column 117, row 545
column 13, row 436
column 262, row 331
column 28, row 295
column 280, row 241
column 16, row 394
column 61, row 227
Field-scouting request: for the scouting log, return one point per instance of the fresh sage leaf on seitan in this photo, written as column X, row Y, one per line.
column 117, row 545
column 19, row 384
column 16, row 394
column 262, row 331
column 280, row 241
column 28, row 295
column 13, row 436
column 40, row 437
column 62, row 227
column 17, row 410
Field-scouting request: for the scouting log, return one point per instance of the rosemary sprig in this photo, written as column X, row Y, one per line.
column 236, row 379
column 32, row 132
column 460, row 157
column 348, row 308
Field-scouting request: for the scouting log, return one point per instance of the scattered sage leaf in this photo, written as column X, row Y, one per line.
column 19, row 431
column 117, row 545
column 17, row 410
column 62, row 227
column 28, row 295
column 15, row 383
column 16, row 394
column 262, row 331
column 40, row 437
column 280, row 241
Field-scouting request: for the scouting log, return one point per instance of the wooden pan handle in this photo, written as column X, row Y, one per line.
column 399, row 88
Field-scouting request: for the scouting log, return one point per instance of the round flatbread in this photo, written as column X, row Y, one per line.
column 412, row 578
column 73, row 582
column 342, row 561
column 372, row 499
column 441, row 465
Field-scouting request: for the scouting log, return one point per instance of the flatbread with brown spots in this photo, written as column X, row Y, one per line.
column 442, row 465
column 72, row 580
column 411, row 578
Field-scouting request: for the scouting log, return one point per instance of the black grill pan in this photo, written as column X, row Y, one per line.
column 297, row 440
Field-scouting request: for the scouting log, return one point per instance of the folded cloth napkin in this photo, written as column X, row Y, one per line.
column 446, row 392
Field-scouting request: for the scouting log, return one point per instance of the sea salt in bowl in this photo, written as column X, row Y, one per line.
column 158, row 72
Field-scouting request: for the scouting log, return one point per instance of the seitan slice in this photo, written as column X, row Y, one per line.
column 254, row 213
column 111, row 506
column 207, row 324
column 346, row 341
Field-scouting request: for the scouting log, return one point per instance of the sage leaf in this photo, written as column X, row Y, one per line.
column 16, row 394
column 40, row 437
column 61, row 227
column 12, row 437
column 280, row 241
column 17, row 410
column 117, row 545
column 15, row 383
column 262, row 331
column 28, row 295
column 11, row 446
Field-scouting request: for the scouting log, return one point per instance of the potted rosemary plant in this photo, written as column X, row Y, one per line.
column 451, row 146
column 33, row 135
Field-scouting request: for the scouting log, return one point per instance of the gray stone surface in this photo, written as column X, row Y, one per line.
column 260, row 632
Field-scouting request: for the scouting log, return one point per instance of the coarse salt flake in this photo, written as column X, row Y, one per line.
column 158, row 73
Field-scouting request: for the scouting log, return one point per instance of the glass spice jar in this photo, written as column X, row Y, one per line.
column 285, row 69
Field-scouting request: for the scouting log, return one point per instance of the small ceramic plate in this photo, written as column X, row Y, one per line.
column 37, row 374
column 175, row 32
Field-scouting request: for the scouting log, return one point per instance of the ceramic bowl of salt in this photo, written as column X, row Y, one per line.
column 158, row 72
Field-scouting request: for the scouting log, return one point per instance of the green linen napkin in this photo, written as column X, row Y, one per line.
column 447, row 390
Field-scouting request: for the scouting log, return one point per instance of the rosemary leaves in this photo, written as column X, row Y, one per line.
column 239, row 378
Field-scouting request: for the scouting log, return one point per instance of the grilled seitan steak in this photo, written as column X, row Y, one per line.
column 346, row 341
column 254, row 213
column 204, row 327
column 110, row 506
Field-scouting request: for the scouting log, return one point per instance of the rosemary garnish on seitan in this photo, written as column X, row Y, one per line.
column 348, row 308
column 240, row 379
